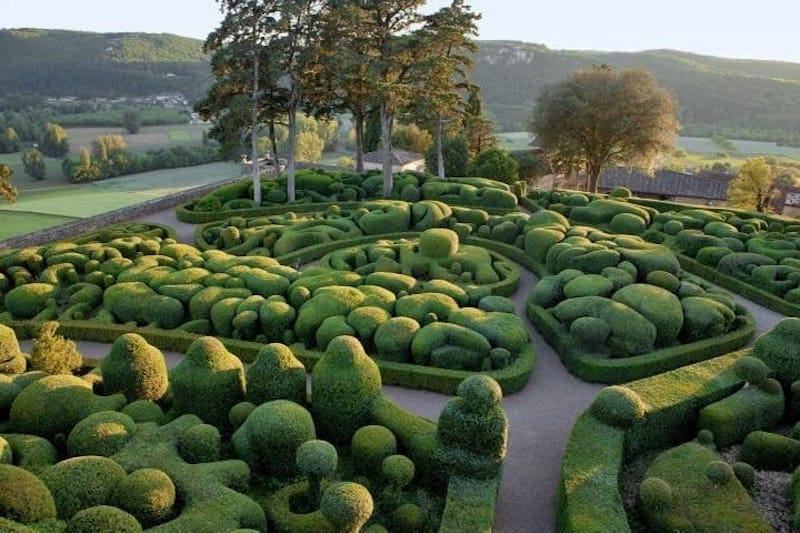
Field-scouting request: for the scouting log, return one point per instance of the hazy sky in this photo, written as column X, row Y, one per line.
column 766, row 29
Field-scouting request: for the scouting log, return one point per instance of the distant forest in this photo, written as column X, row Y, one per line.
column 743, row 99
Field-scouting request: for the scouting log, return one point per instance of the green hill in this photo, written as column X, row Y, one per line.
column 71, row 63
column 712, row 92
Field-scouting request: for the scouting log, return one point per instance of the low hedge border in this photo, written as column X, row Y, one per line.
column 611, row 371
column 185, row 213
column 768, row 300
column 469, row 505
column 511, row 379
column 589, row 498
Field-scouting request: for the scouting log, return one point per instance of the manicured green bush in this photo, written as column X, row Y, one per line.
column 665, row 280
column 148, row 494
column 82, row 482
column 751, row 369
column 620, row 192
column 274, row 375
column 344, row 383
column 618, row 406
column 365, row 321
column 588, row 285
column 332, row 327
column 438, row 243
column 659, row 306
column 770, row 451
column 628, row 223
column 29, row 300
column 704, row 318
column 317, row 460
column 55, row 404
column 270, row 436
column 135, row 368
column 446, row 345
column 369, row 446
column 655, row 495
column 348, row 506
column 473, row 430
column 103, row 518
column 504, row 330
column 749, row 409
column 416, row 306
column 711, row 255
column 207, row 382
column 200, row 444
column 12, row 360
column 740, row 264
column 144, row 411
column 385, row 217
column 393, row 339
column 780, row 349
column 136, row 302
column 23, row 496
column 102, row 433
column 746, row 474
column 326, row 302
column 239, row 413
column 719, row 472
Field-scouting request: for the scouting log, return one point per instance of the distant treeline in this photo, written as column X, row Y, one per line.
column 149, row 116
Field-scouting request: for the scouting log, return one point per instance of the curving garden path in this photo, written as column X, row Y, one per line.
column 540, row 416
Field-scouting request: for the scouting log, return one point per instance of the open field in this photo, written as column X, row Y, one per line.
column 43, row 208
column 148, row 137
column 703, row 145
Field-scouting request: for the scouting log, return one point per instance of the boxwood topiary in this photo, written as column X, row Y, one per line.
column 82, row 482
column 332, row 327
column 28, row 300
column 369, row 446
column 779, row 348
column 103, row 518
column 749, row 409
column 144, row 411
column 148, row 494
column 618, row 406
column 659, row 306
column 24, row 497
column 135, row 368
column 655, row 495
column 316, row 459
column 102, row 433
column 451, row 346
column 276, row 374
column 200, row 444
column 348, row 506
column 770, row 451
column 12, row 360
column 393, row 339
column 270, row 436
column 344, row 383
column 208, row 381
column 719, row 472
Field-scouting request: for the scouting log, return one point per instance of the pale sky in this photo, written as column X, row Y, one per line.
column 766, row 29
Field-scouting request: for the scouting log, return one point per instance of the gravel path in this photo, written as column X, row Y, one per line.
column 540, row 416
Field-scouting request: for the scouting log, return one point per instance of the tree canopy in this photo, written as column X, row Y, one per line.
column 754, row 186
column 7, row 191
column 601, row 117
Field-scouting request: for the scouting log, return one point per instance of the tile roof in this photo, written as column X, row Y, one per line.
column 665, row 183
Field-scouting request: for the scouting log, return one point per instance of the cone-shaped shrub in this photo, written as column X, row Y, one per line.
column 135, row 369
column 276, row 374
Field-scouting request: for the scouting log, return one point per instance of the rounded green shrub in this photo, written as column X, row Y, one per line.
column 12, row 360
column 590, row 331
column 316, row 459
column 620, row 192
column 745, row 473
column 706, row 438
column 751, row 369
column 438, row 243
column 719, row 472
column 618, row 406
column 665, row 280
column 588, row 285
column 628, row 223
column 276, row 374
column 135, row 368
column 494, row 303
column 200, row 444
column 148, row 494
column 661, row 307
column 100, row 518
column 23, row 496
column 408, row 517
column 398, row 470
column 207, row 382
column 344, row 384
column 711, row 255
column 393, row 339
column 332, row 327
column 655, row 494
column 102, row 433
column 348, row 506
column 6, row 453
column 673, row 227
column 704, row 317
column 770, row 451
column 779, row 348
column 82, row 482
column 27, row 301
column 53, row 405
column 370, row 446
column 144, row 411
column 268, row 439
column 447, row 345
column 366, row 320
column 239, row 413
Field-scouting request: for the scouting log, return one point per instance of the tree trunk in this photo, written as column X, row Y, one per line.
column 359, row 118
column 439, row 155
column 254, row 134
column 294, row 105
column 592, row 177
column 274, row 143
column 386, row 149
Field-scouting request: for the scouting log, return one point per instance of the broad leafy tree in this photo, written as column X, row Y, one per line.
column 33, row 163
column 9, row 141
column 7, row 191
column 754, row 186
column 601, row 117
column 131, row 120
column 53, row 141
column 495, row 163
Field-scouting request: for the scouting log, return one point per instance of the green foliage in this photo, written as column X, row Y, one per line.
column 82, row 482
column 12, row 360
column 348, row 506
column 770, row 451
column 504, row 330
column 344, row 384
column 746, row 474
column 26, row 301
column 369, row 446
column 103, row 518
column 200, row 444
column 148, row 494
column 455, row 152
column 135, row 368
column 618, row 406
column 55, row 404
column 270, row 436
column 23, row 496
column 495, row 163
column 33, row 163
column 276, row 374
column 749, row 409
column 778, row 348
column 102, row 433
column 207, row 382
column 751, row 369
column 719, row 472
column 393, row 339
column 316, row 459
column 144, row 411
column 655, row 495
column 659, row 306
column 473, row 430
column 438, row 243
column 447, row 345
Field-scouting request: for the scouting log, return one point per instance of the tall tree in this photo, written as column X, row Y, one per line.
column 478, row 129
column 33, row 163
column 754, row 186
column 448, row 34
column 601, row 117
column 53, row 141
column 9, row 141
column 7, row 191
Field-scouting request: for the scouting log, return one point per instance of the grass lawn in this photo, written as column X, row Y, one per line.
column 19, row 223
column 53, row 206
column 180, row 136
column 514, row 140
column 703, row 145
column 148, row 137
